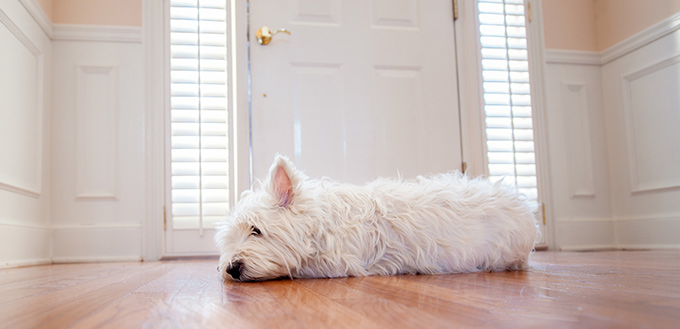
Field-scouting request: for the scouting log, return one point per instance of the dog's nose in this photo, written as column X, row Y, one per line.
column 234, row 269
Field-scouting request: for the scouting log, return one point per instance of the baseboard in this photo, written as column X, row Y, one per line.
column 586, row 247
column 585, row 234
column 649, row 232
column 641, row 232
column 24, row 244
column 96, row 259
column 102, row 242
column 652, row 246
column 25, row 263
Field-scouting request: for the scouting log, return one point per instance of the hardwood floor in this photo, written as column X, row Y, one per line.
column 616, row 289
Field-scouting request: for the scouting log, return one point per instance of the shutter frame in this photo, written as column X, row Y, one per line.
column 507, row 94
column 199, row 117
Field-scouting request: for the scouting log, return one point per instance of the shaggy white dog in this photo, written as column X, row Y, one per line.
column 298, row 227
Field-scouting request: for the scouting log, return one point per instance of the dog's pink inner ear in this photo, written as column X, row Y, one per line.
column 283, row 187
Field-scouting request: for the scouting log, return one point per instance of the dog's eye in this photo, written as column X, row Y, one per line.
column 255, row 231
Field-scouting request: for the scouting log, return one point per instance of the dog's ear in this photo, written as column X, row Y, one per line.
column 283, row 180
column 283, row 188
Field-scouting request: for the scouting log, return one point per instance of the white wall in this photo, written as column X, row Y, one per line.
column 98, row 150
column 578, row 156
column 614, row 133
column 642, row 107
column 71, row 140
column 25, row 66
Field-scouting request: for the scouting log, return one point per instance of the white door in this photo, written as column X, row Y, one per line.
column 360, row 89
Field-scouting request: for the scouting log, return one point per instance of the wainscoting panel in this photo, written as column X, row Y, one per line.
column 578, row 154
column 25, row 78
column 577, row 127
column 98, row 133
column 21, row 92
column 641, row 103
column 650, row 108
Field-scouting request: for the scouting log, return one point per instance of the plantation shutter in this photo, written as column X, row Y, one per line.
column 199, row 117
column 507, row 95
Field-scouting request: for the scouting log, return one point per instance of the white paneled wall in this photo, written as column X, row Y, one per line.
column 642, row 110
column 578, row 156
column 71, row 140
column 98, row 150
column 614, row 130
column 25, row 68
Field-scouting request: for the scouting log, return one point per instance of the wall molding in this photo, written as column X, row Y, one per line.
column 641, row 39
column 623, row 48
column 636, row 185
column 9, row 182
column 81, row 32
column 39, row 16
column 78, row 32
column 30, row 192
column 560, row 56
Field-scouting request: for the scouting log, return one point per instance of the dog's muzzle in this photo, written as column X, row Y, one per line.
column 234, row 269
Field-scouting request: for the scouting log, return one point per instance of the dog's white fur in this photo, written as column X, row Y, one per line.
column 298, row 227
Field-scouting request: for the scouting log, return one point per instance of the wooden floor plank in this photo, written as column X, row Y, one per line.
column 68, row 305
column 621, row 289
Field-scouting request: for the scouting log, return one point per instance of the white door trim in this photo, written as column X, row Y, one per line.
column 153, row 40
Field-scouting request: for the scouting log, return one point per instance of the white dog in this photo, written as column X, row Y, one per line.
column 298, row 227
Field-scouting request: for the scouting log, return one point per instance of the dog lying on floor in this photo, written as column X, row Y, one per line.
column 298, row 227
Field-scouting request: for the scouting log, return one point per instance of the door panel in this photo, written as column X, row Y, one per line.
column 360, row 89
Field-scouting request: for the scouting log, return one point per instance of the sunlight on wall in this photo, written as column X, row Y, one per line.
column 95, row 12
column 595, row 25
column 570, row 25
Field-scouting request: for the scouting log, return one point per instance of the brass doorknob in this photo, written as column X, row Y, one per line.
column 264, row 35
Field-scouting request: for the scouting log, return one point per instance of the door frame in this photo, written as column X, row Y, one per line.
column 471, row 104
column 155, row 40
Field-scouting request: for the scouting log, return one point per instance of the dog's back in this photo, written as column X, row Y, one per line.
column 438, row 224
